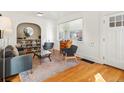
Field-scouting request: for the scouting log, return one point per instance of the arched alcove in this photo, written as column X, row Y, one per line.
column 29, row 37
column 36, row 30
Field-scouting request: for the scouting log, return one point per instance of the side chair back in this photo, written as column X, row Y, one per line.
column 48, row 45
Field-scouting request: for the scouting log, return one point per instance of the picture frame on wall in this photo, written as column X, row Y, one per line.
column 76, row 35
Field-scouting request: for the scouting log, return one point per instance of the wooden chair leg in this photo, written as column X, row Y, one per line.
column 76, row 59
column 31, row 71
column 65, row 59
column 33, row 56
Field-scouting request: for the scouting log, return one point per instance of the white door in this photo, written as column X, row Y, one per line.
column 113, row 41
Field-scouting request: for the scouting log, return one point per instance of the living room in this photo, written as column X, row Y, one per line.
column 85, row 30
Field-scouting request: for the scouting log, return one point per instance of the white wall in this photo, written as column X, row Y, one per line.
column 48, row 26
column 89, row 47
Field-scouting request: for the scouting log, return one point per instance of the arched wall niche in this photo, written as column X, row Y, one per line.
column 27, row 41
column 36, row 30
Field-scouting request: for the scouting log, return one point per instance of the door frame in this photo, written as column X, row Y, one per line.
column 103, row 38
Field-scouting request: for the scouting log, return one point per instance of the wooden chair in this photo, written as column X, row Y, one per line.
column 65, row 44
column 62, row 45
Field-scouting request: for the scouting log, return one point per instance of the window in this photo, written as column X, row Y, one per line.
column 116, row 21
column 123, row 20
column 112, row 22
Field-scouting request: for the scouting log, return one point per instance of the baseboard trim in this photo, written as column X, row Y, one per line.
column 88, row 61
column 113, row 66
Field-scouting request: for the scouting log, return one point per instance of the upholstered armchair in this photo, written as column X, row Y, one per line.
column 69, row 53
column 48, row 45
column 14, row 63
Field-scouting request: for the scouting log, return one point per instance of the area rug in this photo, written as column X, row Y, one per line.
column 44, row 69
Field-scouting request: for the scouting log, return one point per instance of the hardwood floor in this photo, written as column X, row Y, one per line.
column 84, row 72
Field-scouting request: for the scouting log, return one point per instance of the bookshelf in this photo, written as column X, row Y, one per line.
column 29, row 45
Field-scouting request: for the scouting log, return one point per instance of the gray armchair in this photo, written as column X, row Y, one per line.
column 48, row 45
column 16, row 65
column 69, row 53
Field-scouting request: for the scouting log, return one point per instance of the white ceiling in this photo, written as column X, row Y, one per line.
column 47, row 14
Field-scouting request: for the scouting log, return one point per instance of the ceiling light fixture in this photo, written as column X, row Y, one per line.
column 39, row 14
